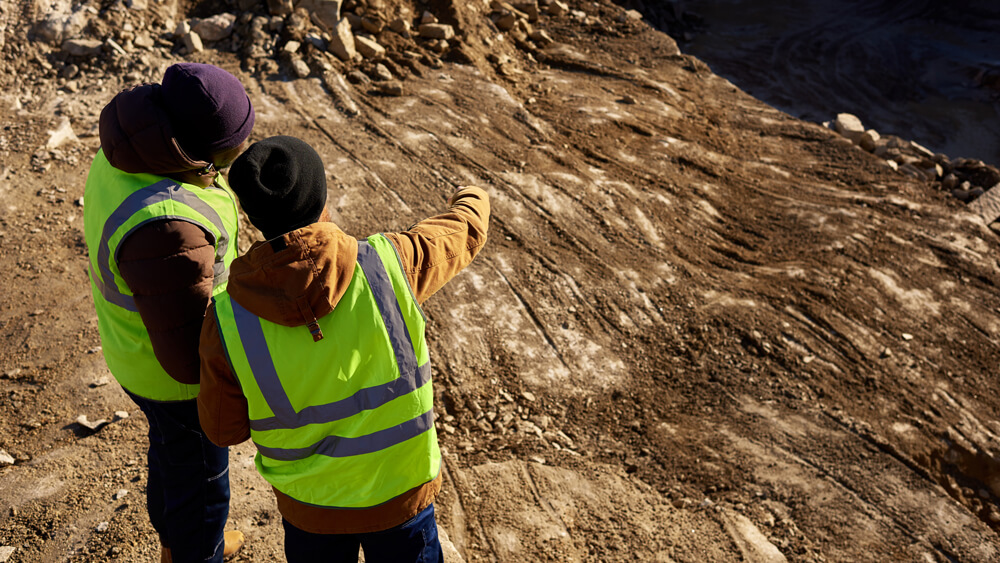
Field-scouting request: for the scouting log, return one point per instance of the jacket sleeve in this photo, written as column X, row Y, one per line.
column 436, row 249
column 168, row 266
column 222, row 408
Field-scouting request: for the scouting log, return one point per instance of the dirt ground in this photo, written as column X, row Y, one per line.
column 701, row 330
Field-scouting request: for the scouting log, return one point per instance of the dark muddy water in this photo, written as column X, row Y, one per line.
column 921, row 69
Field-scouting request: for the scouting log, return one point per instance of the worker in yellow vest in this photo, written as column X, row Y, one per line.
column 160, row 226
column 316, row 352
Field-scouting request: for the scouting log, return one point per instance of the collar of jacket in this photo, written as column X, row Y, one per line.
column 298, row 280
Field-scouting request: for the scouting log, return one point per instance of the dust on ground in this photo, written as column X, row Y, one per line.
column 701, row 330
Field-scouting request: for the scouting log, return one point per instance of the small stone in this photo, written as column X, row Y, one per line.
column 627, row 100
column 372, row 25
column 392, row 88
column 849, row 126
column 950, row 182
column 61, row 135
column 382, row 72
column 437, row 31
column 279, row 7
column 182, row 29
column 291, row 47
column 869, row 140
column 558, row 8
column 215, row 28
column 886, row 353
column 540, row 37
column 6, row 551
column 505, row 21
column 121, row 494
column 300, row 68
column 892, row 164
column 631, row 15
column 485, row 426
column 101, row 381
column 102, row 527
column 83, row 47
column 427, row 18
column 529, row 8
column 358, row 77
column 342, row 42
column 907, row 336
column 92, row 426
column 6, row 459
column 400, row 26
column 528, row 396
column 192, row 41
column 960, row 194
column 144, row 40
column 328, row 13
column 120, row 415
column 369, row 48
column 538, row 459
column 921, row 150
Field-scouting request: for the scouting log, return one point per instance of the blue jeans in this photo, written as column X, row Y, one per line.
column 414, row 541
column 187, row 493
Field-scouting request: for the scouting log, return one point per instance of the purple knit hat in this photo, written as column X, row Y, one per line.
column 208, row 108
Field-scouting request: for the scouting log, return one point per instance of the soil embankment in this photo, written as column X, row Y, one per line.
column 702, row 330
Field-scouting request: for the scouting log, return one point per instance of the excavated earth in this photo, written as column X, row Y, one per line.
column 701, row 330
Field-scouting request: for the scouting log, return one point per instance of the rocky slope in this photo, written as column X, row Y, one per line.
column 701, row 331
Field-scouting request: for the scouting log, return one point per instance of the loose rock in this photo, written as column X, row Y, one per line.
column 92, row 426
column 342, row 43
column 400, row 26
column 83, row 47
column 849, row 126
column 369, row 48
column 193, row 42
column 437, row 31
column 216, row 27
column 6, row 459
column 300, row 68
column 383, row 73
column 5, row 552
column 121, row 494
column 393, row 88
column 328, row 12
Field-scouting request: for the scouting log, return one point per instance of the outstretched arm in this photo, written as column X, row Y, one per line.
column 436, row 249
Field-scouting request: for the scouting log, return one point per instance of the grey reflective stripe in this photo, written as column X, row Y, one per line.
column 365, row 399
column 385, row 298
column 337, row 446
column 411, row 377
column 154, row 193
column 261, row 364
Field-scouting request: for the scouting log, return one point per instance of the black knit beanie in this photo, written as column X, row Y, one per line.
column 281, row 184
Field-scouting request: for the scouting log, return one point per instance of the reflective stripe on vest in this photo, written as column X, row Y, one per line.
column 163, row 190
column 411, row 377
column 348, row 421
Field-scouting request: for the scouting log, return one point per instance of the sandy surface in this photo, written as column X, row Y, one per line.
column 701, row 330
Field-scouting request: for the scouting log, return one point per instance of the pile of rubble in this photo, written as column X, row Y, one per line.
column 365, row 40
column 965, row 178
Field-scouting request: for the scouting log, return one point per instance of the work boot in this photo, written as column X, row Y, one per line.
column 234, row 541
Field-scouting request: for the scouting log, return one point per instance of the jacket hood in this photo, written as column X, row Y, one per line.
column 137, row 137
column 297, row 278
